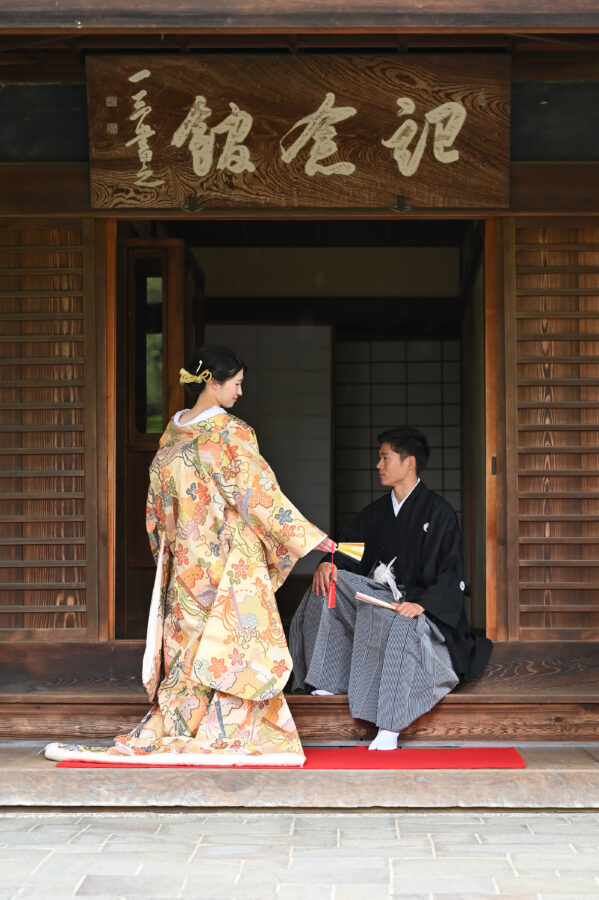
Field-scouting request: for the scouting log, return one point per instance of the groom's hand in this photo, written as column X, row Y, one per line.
column 320, row 582
column 409, row 610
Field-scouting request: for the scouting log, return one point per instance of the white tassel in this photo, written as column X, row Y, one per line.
column 383, row 574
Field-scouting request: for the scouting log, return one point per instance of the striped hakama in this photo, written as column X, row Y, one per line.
column 392, row 668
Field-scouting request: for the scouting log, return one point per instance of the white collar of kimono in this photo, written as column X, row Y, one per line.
column 207, row 414
column 397, row 504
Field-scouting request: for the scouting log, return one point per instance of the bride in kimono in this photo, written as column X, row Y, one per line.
column 225, row 538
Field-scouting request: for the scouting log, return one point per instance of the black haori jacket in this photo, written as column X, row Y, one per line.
column 425, row 538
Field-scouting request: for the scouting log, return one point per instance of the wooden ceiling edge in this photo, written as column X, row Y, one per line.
column 591, row 28
column 309, row 214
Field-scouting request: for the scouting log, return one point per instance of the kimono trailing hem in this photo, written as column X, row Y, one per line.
column 77, row 752
column 225, row 538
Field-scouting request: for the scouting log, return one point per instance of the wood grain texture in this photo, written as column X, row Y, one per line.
column 45, row 465
column 320, row 722
column 542, row 691
column 554, row 338
column 278, row 92
column 464, row 15
column 509, row 415
column 50, row 189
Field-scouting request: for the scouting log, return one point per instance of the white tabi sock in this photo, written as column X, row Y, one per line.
column 385, row 740
column 322, row 693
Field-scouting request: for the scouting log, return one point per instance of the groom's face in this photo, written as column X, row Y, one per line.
column 391, row 467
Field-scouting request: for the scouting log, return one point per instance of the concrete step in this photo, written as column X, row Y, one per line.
column 555, row 777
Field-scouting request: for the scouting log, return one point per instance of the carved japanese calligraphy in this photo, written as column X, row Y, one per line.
column 143, row 133
column 447, row 119
column 269, row 130
column 202, row 139
column 319, row 128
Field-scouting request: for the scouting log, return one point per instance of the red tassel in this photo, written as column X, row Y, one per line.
column 332, row 595
column 332, row 592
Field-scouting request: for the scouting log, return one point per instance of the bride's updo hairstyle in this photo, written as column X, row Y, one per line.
column 210, row 362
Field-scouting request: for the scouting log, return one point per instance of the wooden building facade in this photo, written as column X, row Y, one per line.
column 77, row 234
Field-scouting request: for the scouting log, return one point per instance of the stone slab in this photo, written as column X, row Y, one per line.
column 554, row 778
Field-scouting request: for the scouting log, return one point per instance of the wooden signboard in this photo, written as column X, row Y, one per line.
column 258, row 130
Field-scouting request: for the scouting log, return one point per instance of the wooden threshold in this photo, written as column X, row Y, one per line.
column 318, row 719
column 545, row 691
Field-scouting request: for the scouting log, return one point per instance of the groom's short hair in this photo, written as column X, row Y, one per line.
column 408, row 442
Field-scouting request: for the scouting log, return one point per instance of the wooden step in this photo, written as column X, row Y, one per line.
column 530, row 691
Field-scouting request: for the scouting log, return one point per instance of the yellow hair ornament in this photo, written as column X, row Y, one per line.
column 186, row 377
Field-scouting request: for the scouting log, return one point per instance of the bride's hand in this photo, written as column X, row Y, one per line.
column 327, row 545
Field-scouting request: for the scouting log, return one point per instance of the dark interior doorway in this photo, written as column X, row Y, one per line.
column 348, row 328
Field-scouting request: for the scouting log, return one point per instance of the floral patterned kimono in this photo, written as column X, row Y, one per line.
column 217, row 660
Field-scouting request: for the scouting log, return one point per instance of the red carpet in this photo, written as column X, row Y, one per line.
column 322, row 758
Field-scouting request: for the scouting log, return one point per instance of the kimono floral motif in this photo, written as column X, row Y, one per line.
column 284, row 516
column 236, row 657
column 232, row 538
column 217, row 667
column 182, row 555
column 279, row 667
column 241, row 570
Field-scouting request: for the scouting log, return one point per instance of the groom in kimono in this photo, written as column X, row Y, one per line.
column 394, row 663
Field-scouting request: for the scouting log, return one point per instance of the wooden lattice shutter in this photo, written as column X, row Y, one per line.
column 552, row 386
column 47, row 420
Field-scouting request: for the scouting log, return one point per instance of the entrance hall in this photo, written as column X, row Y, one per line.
column 348, row 328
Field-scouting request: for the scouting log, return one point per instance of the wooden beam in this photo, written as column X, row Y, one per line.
column 50, row 189
column 88, row 16
column 317, row 719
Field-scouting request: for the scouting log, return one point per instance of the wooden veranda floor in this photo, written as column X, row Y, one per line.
column 529, row 692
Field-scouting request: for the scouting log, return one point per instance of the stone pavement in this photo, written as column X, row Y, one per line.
column 298, row 856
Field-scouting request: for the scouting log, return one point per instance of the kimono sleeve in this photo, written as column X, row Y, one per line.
column 443, row 596
column 284, row 532
column 152, row 522
column 160, row 510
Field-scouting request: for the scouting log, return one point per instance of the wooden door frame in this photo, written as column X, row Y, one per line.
column 496, row 502
column 106, row 275
column 495, row 434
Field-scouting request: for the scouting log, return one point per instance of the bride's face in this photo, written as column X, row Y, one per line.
column 228, row 392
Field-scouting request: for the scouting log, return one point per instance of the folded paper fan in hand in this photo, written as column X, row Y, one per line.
column 376, row 601
column 354, row 551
